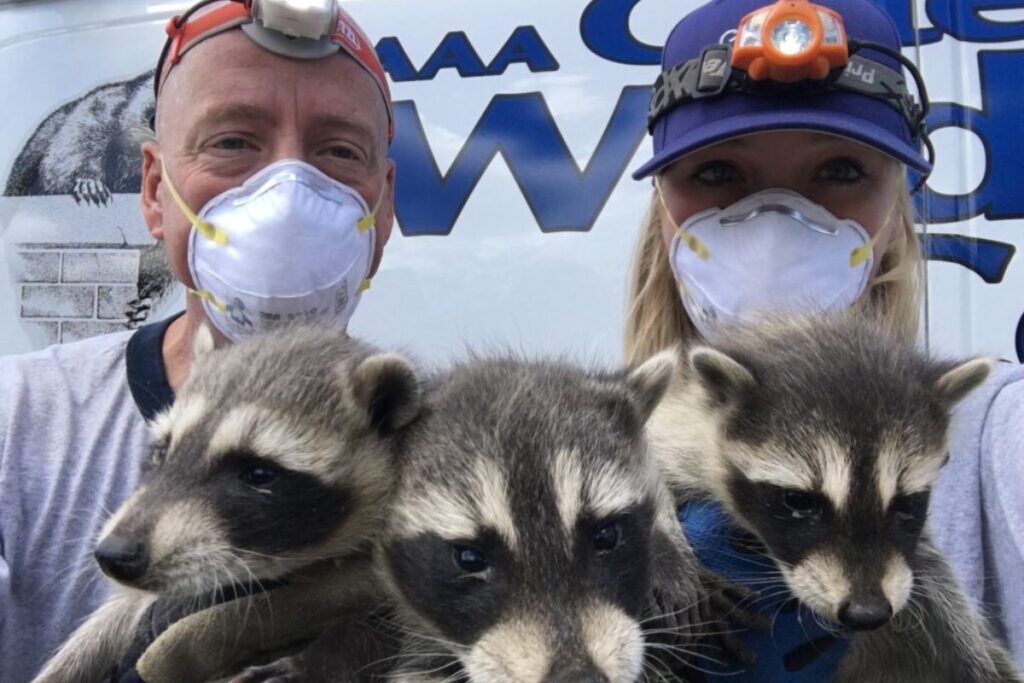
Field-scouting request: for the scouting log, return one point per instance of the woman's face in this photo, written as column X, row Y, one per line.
column 849, row 179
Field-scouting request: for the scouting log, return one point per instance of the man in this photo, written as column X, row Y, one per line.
column 237, row 100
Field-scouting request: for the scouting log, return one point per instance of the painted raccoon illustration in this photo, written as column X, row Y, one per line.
column 86, row 148
column 274, row 465
column 822, row 439
column 531, row 538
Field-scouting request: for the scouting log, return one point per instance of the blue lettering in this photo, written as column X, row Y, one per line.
column 395, row 61
column 521, row 128
column 902, row 13
column 1020, row 340
column 988, row 258
column 962, row 19
column 997, row 124
column 525, row 46
column 454, row 52
column 605, row 31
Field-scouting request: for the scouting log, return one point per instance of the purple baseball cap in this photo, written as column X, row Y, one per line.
column 698, row 123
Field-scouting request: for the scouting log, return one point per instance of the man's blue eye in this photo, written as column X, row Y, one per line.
column 231, row 144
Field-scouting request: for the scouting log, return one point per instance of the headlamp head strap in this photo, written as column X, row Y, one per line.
column 275, row 26
column 712, row 74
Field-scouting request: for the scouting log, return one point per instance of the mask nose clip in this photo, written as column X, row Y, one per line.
column 783, row 210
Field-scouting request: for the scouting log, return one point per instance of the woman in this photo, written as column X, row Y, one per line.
column 811, row 174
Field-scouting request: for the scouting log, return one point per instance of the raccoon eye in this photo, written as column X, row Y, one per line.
column 258, row 476
column 469, row 560
column 802, row 504
column 606, row 537
column 911, row 507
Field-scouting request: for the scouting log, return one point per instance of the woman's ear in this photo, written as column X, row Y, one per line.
column 152, row 176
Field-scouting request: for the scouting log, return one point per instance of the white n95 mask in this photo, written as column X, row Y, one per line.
column 290, row 245
column 774, row 251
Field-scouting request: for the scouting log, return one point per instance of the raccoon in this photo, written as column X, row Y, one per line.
column 531, row 539
column 274, row 465
column 822, row 438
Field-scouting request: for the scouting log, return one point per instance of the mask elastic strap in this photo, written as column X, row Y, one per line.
column 207, row 230
column 687, row 238
column 208, row 296
column 370, row 220
column 862, row 253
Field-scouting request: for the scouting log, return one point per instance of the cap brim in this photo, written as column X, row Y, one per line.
column 854, row 128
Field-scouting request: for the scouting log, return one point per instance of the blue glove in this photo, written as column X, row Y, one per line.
column 796, row 649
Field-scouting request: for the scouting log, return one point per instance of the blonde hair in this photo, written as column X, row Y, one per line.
column 655, row 318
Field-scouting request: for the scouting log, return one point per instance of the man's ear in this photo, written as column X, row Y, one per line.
column 724, row 379
column 385, row 217
column 152, row 176
column 388, row 390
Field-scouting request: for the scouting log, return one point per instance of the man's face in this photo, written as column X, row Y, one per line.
column 230, row 108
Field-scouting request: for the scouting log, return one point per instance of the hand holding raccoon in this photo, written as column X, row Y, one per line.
column 275, row 461
column 821, row 440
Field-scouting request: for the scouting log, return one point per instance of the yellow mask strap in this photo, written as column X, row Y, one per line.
column 207, row 230
column 206, row 295
column 862, row 253
column 370, row 219
column 364, row 285
column 687, row 238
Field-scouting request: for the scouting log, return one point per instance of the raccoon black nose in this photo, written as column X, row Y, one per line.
column 121, row 559
column 866, row 614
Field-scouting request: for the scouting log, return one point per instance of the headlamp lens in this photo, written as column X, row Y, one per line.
column 792, row 36
column 750, row 34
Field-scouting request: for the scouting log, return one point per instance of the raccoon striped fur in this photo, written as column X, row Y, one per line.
column 274, row 464
column 532, row 540
column 822, row 438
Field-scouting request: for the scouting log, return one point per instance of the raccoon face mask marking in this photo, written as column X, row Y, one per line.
column 522, row 539
column 275, row 455
column 829, row 460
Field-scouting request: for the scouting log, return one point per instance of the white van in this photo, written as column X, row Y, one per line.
column 517, row 124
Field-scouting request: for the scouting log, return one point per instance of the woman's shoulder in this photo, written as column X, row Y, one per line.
column 993, row 410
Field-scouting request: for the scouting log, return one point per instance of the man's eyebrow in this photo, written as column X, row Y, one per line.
column 233, row 112
column 343, row 123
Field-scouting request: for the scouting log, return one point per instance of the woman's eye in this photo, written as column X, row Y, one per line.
column 469, row 560
column 258, row 476
column 843, row 171
column 802, row 504
column 716, row 173
column 607, row 537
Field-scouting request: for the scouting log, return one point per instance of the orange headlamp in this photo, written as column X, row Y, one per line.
column 792, row 40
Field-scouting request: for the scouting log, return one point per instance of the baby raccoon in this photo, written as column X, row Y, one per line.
column 531, row 539
column 276, row 459
column 822, row 439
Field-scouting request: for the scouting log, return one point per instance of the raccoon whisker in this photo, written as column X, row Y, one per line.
column 677, row 653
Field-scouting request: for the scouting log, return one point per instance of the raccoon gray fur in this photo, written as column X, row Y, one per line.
column 823, row 438
column 276, row 459
column 531, row 538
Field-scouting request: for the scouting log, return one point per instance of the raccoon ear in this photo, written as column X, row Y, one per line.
column 953, row 386
column 202, row 342
column 723, row 377
column 649, row 382
column 387, row 388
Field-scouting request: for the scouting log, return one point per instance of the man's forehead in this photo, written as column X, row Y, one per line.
column 230, row 74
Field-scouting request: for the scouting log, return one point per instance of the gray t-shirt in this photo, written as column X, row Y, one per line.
column 977, row 507
column 72, row 438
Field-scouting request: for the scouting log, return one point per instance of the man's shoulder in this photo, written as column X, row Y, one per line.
column 85, row 365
